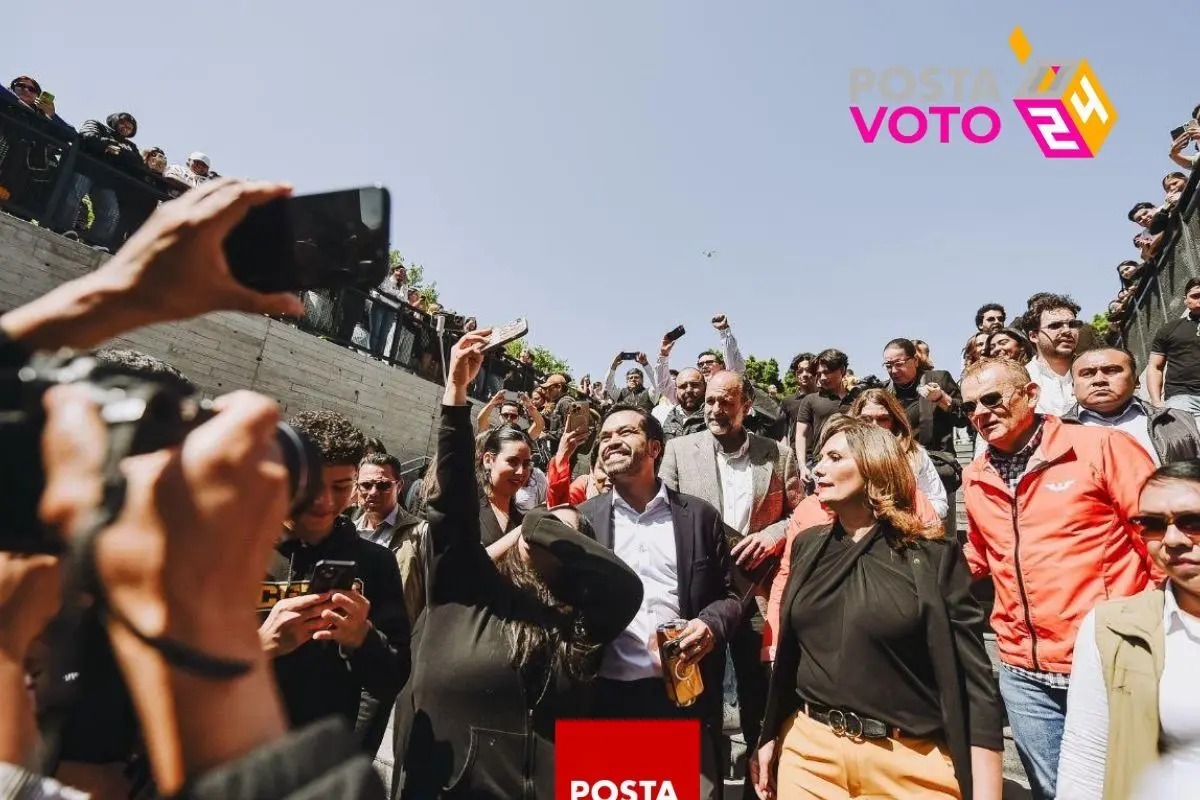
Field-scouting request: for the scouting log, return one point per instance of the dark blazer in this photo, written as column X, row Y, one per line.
column 933, row 426
column 967, row 691
column 705, row 585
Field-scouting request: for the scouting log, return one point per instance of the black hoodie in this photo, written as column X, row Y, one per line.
column 98, row 137
column 315, row 680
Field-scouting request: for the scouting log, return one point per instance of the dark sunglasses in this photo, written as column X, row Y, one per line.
column 1154, row 526
column 989, row 400
column 27, row 87
column 1073, row 324
column 383, row 486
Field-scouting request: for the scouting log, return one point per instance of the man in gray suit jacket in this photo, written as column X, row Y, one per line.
column 753, row 481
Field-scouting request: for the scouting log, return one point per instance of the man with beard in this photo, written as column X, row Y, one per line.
column 752, row 480
column 677, row 546
column 1054, row 331
column 688, row 416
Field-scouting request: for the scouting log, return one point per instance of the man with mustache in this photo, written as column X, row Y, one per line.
column 677, row 546
column 1105, row 380
column 753, row 481
column 688, row 416
column 1054, row 331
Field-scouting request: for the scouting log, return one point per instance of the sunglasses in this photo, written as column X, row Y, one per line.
column 990, row 400
column 383, row 486
column 23, row 86
column 1154, row 526
column 1073, row 324
column 896, row 364
column 711, row 363
column 510, row 415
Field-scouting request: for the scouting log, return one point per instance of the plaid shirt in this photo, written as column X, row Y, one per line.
column 1013, row 467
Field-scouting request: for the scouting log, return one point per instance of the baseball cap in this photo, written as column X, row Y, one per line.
column 203, row 159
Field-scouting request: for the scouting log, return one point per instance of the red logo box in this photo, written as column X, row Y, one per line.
column 627, row 760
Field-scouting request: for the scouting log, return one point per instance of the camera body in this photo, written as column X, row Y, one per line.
column 141, row 413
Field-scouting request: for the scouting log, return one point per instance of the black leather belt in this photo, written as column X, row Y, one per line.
column 849, row 724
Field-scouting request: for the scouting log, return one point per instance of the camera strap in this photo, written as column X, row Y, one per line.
column 87, row 580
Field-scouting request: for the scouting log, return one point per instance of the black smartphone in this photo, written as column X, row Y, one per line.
column 628, row 356
column 676, row 334
column 316, row 241
column 330, row 575
column 1177, row 132
column 509, row 332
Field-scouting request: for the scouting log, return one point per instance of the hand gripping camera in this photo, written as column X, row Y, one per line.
column 142, row 414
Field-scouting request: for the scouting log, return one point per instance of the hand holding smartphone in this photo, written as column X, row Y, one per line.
column 508, row 332
column 329, row 576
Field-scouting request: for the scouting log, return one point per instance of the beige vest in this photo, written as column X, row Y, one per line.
column 1129, row 635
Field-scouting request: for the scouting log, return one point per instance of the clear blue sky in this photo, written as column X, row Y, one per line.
column 571, row 161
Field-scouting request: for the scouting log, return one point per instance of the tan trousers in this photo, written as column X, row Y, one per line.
column 814, row 762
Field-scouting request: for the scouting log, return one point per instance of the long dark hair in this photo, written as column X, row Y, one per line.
column 492, row 442
column 545, row 635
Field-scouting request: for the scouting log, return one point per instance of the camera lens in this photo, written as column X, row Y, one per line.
column 303, row 462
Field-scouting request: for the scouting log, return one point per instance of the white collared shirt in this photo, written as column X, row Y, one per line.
column 1132, row 420
column 382, row 533
column 1085, row 739
column 1057, row 394
column 737, row 486
column 646, row 542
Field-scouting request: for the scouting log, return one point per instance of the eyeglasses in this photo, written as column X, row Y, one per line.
column 1073, row 324
column 896, row 364
column 712, row 362
column 383, row 486
column 511, row 415
column 1154, row 526
column 990, row 400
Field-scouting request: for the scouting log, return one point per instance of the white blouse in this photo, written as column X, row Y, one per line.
column 929, row 482
column 1085, row 739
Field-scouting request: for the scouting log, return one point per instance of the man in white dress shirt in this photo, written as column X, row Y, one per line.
column 677, row 545
column 1054, row 331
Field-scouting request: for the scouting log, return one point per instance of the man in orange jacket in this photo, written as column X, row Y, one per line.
column 1048, row 508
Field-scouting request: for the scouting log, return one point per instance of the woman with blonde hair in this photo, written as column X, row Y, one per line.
column 880, row 407
column 881, row 685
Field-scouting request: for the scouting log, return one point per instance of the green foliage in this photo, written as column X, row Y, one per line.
column 416, row 278
column 1100, row 323
column 544, row 362
column 763, row 373
column 789, row 384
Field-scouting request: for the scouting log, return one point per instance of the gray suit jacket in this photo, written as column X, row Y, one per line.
column 690, row 466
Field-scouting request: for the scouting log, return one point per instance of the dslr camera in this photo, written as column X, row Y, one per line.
column 142, row 414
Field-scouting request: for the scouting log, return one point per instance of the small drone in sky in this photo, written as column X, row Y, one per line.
column 709, row 253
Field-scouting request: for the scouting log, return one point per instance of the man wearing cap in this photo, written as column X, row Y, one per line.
column 194, row 173
column 677, row 545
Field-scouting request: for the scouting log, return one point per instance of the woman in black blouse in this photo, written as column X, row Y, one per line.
column 505, row 648
column 504, row 459
column 881, row 686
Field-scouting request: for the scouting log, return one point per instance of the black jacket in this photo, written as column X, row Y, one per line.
column 705, row 584
column 315, row 680
column 1173, row 432
column 967, row 691
column 317, row 762
column 97, row 137
column 469, row 724
column 933, row 427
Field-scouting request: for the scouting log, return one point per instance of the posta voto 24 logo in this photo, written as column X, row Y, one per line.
column 1062, row 104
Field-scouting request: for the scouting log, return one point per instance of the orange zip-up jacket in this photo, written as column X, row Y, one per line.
column 1063, row 543
column 811, row 514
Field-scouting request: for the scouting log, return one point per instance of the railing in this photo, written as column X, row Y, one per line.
column 46, row 172
column 1160, row 292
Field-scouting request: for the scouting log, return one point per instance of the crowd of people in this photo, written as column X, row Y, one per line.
column 377, row 638
column 1155, row 220
column 123, row 183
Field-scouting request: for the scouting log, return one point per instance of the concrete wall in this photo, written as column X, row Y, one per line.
column 226, row 351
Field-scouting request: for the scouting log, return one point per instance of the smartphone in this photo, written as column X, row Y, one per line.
column 332, row 240
column 628, row 356
column 46, row 97
column 508, row 332
column 579, row 418
column 330, row 575
column 1177, row 132
column 676, row 334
